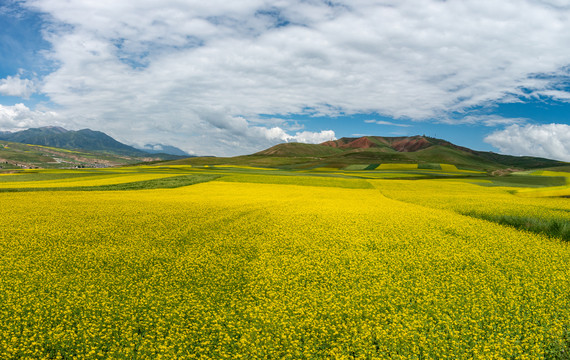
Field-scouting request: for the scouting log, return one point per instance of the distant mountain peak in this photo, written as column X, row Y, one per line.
column 85, row 139
column 58, row 129
column 163, row 149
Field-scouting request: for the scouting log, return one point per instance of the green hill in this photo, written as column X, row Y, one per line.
column 527, row 162
column 425, row 151
column 26, row 156
column 299, row 149
column 85, row 139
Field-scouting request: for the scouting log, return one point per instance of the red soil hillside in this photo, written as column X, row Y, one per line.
column 400, row 144
column 351, row 143
column 411, row 144
column 340, row 143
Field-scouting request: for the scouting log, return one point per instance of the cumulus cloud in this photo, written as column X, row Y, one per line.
column 140, row 68
column 213, row 133
column 20, row 117
column 549, row 141
column 310, row 137
column 15, row 86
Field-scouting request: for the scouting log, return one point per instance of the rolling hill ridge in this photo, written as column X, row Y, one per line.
column 15, row 156
column 56, row 147
column 84, row 140
column 422, row 150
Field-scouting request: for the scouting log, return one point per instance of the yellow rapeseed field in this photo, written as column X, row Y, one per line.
column 448, row 167
column 388, row 166
column 234, row 269
column 464, row 197
column 93, row 180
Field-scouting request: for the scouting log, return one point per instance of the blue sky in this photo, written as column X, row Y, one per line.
column 229, row 78
column 21, row 41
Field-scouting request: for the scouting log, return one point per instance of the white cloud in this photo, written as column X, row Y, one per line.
column 486, row 120
column 20, row 117
column 212, row 132
column 556, row 94
column 550, row 141
column 167, row 70
column 313, row 137
column 382, row 122
column 15, row 86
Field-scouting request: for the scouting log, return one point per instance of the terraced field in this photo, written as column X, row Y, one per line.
column 236, row 262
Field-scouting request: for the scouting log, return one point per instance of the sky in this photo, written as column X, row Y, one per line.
column 227, row 78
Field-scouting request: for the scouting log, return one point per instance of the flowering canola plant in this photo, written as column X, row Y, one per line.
column 230, row 269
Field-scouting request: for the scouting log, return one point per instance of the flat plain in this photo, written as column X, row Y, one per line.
column 214, row 262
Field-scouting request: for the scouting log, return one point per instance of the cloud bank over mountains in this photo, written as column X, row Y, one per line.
column 549, row 141
column 203, row 75
column 20, row 117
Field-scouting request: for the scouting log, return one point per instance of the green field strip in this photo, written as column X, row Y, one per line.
column 430, row 166
column 356, row 167
column 392, row 175
column 161, row 183
column 424, row 173
column 556, row 228
column 526, row 181
column 243, row 168
column 94, row 180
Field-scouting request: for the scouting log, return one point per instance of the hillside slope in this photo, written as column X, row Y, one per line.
column 425, row 151
column 28, row 156
column 299, row 149
column 84, row 139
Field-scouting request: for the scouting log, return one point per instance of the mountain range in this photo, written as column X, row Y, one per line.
column 89, row 140
column 427, row 152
